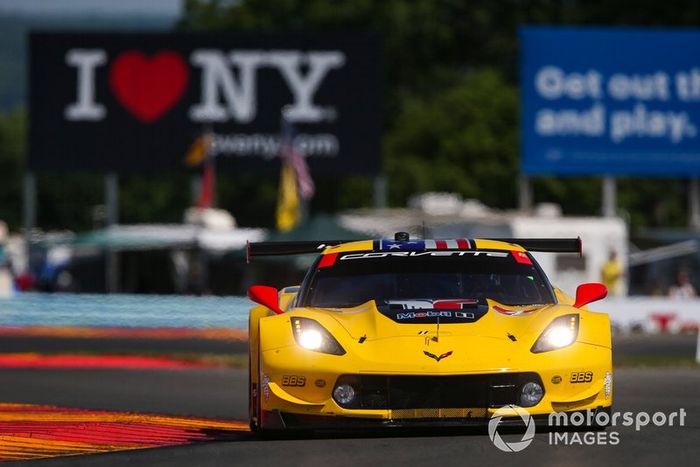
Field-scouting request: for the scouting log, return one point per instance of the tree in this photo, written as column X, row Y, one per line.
column 462, row 139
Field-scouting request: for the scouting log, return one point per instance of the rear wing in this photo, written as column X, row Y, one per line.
column 290, row 248
column 547, row 245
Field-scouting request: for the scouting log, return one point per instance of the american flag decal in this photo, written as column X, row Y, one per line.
column 420, row 245
column 456, row 244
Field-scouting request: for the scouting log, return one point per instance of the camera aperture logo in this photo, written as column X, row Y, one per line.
column 568, row 428
column 511, row 411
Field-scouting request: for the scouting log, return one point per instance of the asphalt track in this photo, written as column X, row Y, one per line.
column 12, row 344
column 221, row 393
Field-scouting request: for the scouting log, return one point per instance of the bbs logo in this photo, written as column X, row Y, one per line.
column 581, row 377
column 293, row 380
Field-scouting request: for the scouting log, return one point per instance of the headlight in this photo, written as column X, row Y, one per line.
column 344, row 394
column 311, row 339
column 310, row 335
column 560, row 333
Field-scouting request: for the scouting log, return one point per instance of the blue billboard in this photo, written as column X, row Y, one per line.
column 610, row 101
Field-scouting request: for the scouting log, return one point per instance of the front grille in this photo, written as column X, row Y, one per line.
column 462, row 392
column 438, row 413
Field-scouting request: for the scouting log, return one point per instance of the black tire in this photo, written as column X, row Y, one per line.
column 252, row 405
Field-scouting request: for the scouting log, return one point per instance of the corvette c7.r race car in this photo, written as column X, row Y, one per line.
column 423, row 332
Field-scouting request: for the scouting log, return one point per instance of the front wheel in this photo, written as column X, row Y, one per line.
column 253, row 402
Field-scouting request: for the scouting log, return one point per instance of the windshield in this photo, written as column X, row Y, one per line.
column 351, row 279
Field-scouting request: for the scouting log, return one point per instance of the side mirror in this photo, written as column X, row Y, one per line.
column 589, row 293
column 265, row 296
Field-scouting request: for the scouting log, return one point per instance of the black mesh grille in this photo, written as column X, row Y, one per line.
column 418, row 392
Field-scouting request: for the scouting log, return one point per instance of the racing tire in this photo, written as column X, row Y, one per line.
column 253, row 405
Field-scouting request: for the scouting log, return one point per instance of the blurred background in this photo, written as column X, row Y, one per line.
column 142, row 144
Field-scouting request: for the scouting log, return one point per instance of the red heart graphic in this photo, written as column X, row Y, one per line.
column 148, row 87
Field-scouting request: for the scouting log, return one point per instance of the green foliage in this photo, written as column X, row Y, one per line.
column 580, row 196
column 461, row 139
column 13, row 129
column 67, row 201
column 149, row 198
column 655, row 202
column 252, row 199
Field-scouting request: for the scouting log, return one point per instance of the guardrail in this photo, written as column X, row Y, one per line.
column 124, row 310
column 651, row 314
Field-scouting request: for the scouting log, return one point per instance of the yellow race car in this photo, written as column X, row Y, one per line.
column 423, row 332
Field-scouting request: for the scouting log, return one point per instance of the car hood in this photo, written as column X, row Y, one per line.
column 491, row 320
column 500, row 338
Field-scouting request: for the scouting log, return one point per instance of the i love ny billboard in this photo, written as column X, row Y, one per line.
column 136, row 102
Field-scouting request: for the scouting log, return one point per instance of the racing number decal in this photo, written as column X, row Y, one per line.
column 292, row 380
column 581, row 377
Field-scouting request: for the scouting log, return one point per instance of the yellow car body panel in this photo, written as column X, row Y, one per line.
column 290, row 379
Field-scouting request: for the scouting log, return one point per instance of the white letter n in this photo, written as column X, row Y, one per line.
column 216, row 76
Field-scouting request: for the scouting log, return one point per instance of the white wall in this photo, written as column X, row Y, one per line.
column 643, row 312
column 599, row 236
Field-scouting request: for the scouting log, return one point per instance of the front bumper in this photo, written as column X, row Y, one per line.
column 442, row 396
column 297, row 384
column 410, row 400
column 276, row 420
